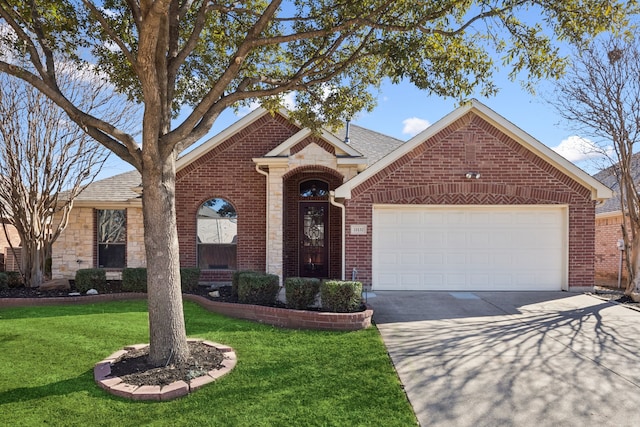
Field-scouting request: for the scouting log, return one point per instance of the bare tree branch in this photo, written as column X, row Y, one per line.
column 600, row 96
column 46, row 160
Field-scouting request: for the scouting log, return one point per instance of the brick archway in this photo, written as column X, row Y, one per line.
column 292, row 199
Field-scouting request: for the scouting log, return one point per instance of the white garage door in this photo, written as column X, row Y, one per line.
column 467, row 248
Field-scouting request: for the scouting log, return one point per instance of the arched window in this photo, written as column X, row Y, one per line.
column 314, row 188
column 217, row 226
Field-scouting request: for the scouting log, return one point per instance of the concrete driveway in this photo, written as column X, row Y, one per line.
column 513, row 358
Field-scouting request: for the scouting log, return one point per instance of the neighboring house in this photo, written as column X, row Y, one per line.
column 9, row 262
column 609, row 225
column 471, row 203
column 9, row 237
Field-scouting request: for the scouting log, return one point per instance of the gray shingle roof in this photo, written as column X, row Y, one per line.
column 373, row 145
column 117, row 188
column 607, row 177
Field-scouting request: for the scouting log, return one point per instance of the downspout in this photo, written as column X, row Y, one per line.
column 266, row 240
column 332, row 200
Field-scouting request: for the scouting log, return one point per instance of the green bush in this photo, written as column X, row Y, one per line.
column 189, row 278
column 258, row 288
column 341, row 297
column 90, row 278
column 14, row 279
column 301, row 292
column 4, row 281
column 134, row 279
column 235, row 279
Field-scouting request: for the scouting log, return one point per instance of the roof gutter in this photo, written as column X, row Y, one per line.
column 332, row 200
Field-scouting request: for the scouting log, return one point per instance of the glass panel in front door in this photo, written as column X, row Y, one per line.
column 313, row 239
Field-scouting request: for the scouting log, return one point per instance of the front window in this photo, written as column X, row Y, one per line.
column 112, row 238
column 217, row 225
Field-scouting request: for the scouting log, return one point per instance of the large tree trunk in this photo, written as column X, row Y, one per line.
column 32, row 263
column 634, row 265
column 168, row 340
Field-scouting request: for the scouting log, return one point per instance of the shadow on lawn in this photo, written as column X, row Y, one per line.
column 82, row 383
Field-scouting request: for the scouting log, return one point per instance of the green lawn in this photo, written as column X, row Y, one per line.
column 283, row 377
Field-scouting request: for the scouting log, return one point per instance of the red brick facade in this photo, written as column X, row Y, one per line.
column 434, row 173
column 607, row 260
column 228, row 172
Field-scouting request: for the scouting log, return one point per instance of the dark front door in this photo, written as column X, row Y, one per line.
column 314, row 242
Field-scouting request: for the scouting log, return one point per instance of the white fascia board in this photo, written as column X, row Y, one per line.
column 340, row 144
column 101, row 204
column 283, row 149
column 611, row 214
column 208, row 145
column 598, row 190
column 344, row 191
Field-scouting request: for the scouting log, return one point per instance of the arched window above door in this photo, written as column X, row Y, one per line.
column 314, row 188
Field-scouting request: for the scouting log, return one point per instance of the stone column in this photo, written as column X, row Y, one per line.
column 275, row 212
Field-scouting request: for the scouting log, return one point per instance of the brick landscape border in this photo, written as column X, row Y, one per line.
column 282, row 317
column 117, row 387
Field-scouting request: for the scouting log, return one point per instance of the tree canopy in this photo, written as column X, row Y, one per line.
column 206, row 56
column 200, row 57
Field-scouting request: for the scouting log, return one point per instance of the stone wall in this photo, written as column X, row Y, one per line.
column 76, row 247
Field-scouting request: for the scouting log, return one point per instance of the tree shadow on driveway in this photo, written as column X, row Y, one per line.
column 515, row 359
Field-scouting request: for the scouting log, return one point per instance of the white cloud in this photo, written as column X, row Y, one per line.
column 414, row 125
column 578, row 149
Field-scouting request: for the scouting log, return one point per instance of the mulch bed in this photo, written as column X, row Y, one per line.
column 134, row 368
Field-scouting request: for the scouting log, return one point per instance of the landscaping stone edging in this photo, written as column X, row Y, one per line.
column 117, row 387
column 288, row 318
column 282, row 317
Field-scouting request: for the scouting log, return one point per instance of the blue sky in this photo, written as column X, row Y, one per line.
column 403, row 111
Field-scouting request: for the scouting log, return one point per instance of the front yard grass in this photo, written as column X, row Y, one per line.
column 283, row 377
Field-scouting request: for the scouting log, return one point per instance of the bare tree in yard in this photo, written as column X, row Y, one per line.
column 46, row 159
column 200, row 57
column 600, row 97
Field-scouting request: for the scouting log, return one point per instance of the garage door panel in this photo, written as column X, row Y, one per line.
column 409, row 239
column 469, row 248
column 411, row 260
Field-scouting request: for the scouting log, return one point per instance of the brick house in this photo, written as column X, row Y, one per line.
column 609, row 262
column 9, row 262
column 471, row 203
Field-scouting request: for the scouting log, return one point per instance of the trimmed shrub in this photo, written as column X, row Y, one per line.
column 235, row 279
column 14, row 279
column 134, row 279
column 341, row 297
column 301, row 292
column 189, row 278
column 4, row 281
column 258, row 288
column 90, row 278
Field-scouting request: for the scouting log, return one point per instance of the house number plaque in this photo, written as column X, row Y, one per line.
column 358, row 229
